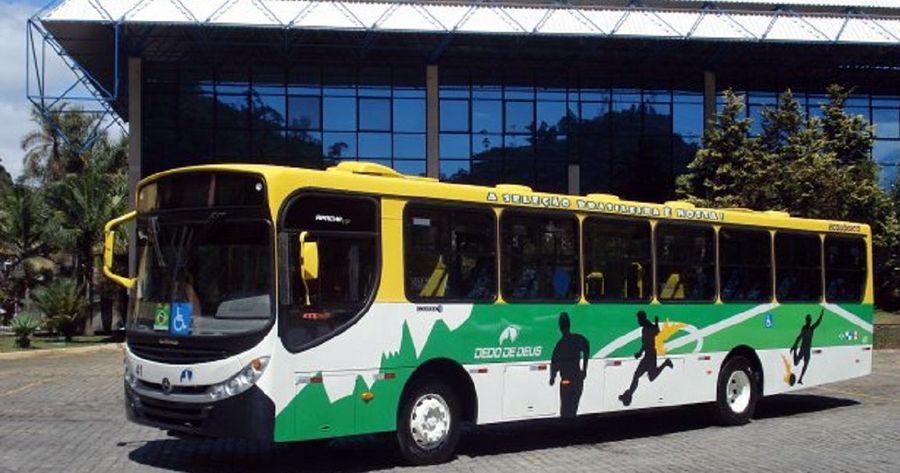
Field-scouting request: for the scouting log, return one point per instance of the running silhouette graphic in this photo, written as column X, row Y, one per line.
column 570, row 360
column 648, row 363
column 802, row 347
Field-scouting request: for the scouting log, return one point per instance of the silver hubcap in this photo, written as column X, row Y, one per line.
column 738, row 394
column 429, row 421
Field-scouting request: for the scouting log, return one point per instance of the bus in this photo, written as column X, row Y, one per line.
column 286, row 304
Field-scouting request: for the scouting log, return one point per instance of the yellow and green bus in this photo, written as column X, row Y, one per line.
column 288, row 304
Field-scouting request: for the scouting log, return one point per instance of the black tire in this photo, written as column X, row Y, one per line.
column 431, row 391
column 736, row 378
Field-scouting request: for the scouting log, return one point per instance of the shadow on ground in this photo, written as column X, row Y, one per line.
column 361, row 454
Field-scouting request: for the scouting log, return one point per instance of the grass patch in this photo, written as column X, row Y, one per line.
column 8, row 343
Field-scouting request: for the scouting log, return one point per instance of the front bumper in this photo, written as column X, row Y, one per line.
column 249, row 415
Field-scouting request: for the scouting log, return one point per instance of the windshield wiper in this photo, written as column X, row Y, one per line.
column 153, row 230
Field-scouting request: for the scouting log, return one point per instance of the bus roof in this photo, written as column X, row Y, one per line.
column 372, row 178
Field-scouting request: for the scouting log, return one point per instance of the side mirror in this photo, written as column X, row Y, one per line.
column 309, row 262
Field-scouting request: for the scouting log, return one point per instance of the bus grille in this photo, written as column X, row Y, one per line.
column 174, row 413
column 176, row 355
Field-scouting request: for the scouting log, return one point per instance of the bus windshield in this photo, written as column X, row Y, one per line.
column 207, row 277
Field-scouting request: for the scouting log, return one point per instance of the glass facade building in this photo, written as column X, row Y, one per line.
column 523, row 126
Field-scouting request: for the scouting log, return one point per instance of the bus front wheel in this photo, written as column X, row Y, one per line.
column 736, row 393
column 428, row 424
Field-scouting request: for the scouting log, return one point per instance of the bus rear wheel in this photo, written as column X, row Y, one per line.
column 737, row 392
column 428, row 424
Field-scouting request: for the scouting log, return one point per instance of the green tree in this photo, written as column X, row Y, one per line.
column 810, row 167
column 63, row 304
column 723, row 172
column 58, row 145
column 25, row 240
column 82, row 204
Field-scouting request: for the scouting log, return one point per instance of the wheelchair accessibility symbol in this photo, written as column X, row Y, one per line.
column 181, row 319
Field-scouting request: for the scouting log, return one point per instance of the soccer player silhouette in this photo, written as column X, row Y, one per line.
column 802, row 347
column 648, row 363
column 570, row 360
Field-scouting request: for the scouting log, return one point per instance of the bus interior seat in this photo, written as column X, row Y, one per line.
column 436, row 285
column 673, row 288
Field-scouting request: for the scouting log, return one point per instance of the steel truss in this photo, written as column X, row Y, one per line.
column 365, row 22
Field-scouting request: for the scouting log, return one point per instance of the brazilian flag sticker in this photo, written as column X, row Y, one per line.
column 161, row 316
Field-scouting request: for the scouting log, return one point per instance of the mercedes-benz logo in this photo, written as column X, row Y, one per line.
column 166, row 386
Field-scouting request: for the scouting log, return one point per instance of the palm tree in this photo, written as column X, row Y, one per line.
column 57, row 146
column 25, row 234
column 83, row 203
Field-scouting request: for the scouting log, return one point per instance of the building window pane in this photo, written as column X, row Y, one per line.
column 409, row 115
column 745, row 264
column 374, row 114
column 339, row 145
column 374, row 145
column 845, row 268
column 617, row 262
column 686, row 263
column 410, row 168
column 798, row 267
column 409, row 146
column 455, row 115
column 231, row 111
column 486, row 116
column 540, row 257
column 340, row 114
column 450, row 254
column 268, row 111
column 887, row 122
column 454, row 146
column 551, row 115
column 304, row 113
column 519, row 117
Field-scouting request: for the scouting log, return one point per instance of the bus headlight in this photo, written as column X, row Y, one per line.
column 240, row 382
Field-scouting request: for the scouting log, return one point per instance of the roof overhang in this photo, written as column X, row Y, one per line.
column 723, row 20
column 94, row 36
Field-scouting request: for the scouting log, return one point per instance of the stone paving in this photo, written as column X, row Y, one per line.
column 63, row 413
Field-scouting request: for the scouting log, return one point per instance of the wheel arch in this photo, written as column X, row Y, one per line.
column 750, row 355
column 455, row 376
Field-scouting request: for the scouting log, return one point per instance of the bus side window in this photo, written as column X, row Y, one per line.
column 450, row 253
column 685, row 262
column 617, row 260
column 798, row 267
column 845, row 268
column 539, row 260
column 745, row 265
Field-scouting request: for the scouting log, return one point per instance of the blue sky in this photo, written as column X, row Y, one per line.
column 14, row 107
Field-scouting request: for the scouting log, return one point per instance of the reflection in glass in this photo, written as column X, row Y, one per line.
column 486, row 116
column 304, row 113
column 519, row 117
column 339, row 145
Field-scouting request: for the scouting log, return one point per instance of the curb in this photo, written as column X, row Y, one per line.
column 18, row 355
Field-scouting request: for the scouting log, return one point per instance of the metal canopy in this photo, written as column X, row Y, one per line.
column 711, row 21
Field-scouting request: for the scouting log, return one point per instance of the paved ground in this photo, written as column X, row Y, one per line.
column 63, row 413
